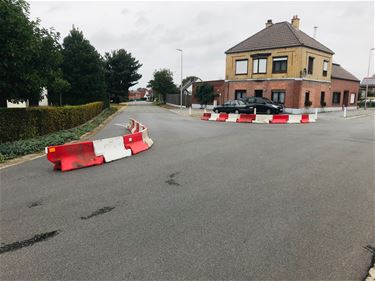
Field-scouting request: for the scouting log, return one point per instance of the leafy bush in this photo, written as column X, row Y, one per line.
column 205, row 94
column 25, row 123
column 9, row 150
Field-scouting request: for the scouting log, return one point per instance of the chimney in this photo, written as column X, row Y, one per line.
column 295, row 22
column 269, row 23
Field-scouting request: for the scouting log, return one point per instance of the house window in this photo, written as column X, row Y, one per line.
column 279, row 64
column 259, row 65
column 352, row 98
column 310, row 65
column 241, row 67
column 336, row 98
column 278, row 96
column 239, row 94
column 325, row 68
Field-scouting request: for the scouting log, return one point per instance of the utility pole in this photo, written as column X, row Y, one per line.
column 368, row 75
column 181, row 51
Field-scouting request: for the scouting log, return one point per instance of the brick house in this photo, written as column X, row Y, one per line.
column 286, row 65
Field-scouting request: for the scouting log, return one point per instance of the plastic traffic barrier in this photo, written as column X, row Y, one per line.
column 246, row 118
column 135, row 142
column 146, row 139
column 294, row 119
column 206, row 116
column 214, row 116
column 280, row 119
column 131, row 124
column 73, row 156
column 232, row 117
column 262, row 118
column 222, row 117
column 306, row 118
column 111, row 149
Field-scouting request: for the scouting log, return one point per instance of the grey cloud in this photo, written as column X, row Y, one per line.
column 205, row 30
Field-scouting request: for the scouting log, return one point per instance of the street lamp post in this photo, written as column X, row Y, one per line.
column 368, row 75
column 181, row 51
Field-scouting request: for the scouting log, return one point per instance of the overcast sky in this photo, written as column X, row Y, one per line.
column 152, row 31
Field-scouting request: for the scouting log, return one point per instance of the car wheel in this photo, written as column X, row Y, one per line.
column 216, row 110
column 268, row 111
column 236, row 111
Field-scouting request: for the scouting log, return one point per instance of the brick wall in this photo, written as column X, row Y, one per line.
column 295, row 90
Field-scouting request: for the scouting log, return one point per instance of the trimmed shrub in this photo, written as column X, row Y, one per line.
column 9, row 150
column 31, row 122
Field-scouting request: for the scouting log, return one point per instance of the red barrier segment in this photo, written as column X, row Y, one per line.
column 222, row 117
column 206, row 116
column 305, row 118
column 73, row 156
column 132, row 125
column 246, row 118
column 135, row 142
column 279, row 119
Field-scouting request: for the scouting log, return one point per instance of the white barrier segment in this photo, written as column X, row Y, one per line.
column 146, row 138
column 262, row 118
column 232, row 118
column 294, row 119
column 214, row 116
column 130, row 123
column 312, row 118
column 316, row 114
column 111, row 149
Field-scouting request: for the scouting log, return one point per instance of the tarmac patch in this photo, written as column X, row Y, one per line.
column 171, row 180
column 26, row 243
column 98, row 212
column 35, row 204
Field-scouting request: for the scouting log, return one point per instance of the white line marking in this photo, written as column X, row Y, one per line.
column 120, row 125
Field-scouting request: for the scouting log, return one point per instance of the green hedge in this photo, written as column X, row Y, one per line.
column 9, row 150
column 26, row 123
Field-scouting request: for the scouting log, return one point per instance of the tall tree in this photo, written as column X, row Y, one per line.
column 83, row 68
column 162, row 84
column 121, row 73
column 189, row 79
column 29, row 55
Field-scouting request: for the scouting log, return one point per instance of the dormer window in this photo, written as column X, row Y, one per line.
column 241, row 67
column 279, row 64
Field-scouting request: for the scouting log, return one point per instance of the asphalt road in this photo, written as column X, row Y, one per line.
column 209, row 201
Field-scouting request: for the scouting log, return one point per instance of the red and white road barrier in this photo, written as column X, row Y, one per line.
column 84, row 154
column 260, row 118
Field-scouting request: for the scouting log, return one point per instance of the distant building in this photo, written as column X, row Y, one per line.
column 43, row 102
column 370, row 83
column 286, row 65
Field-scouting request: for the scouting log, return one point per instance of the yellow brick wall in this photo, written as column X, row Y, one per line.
column 297, row 61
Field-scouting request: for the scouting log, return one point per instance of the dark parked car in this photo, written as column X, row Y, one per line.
column 234, row 106
column 264, row 105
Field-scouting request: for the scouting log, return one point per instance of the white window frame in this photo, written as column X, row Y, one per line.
column 256, row 65
column 237, row 64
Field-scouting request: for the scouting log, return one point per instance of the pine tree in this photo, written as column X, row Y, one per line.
column 83, row 68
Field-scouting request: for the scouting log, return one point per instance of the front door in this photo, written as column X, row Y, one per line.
column 345, row 101
column 258, row 93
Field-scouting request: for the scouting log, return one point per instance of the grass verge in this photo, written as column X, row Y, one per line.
column 10, row 150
